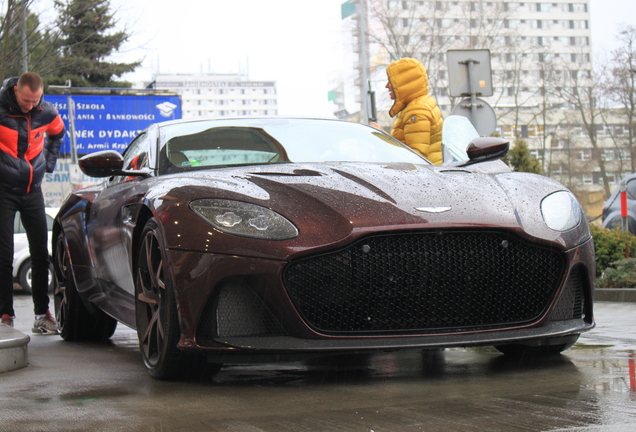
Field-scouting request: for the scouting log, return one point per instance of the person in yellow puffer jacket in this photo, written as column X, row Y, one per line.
column 418, row 119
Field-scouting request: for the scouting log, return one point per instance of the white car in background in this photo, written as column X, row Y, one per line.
column 22, row 256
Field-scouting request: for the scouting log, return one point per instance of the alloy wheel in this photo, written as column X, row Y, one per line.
column 150, row 295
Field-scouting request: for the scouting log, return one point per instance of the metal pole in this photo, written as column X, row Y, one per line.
column 624, row 211
column 473, row 95
column 25, row 62
column 364, row 60
column 632, row 371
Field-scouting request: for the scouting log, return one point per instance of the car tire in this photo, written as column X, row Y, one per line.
column 545, row 349
column 75, row 322
column 24, row 277
column 157, row 319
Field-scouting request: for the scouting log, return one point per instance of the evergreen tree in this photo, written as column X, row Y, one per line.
column 42, row 54
column 520, row 159
column 85, row 44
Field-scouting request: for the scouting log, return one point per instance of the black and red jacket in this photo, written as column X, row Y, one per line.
column 29, row 143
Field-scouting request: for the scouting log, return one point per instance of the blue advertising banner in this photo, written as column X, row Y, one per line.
column 110, row 122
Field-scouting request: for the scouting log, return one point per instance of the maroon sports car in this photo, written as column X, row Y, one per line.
column 228, row 240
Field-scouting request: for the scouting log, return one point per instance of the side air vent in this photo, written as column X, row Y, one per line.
column 571, row 302
column 234, row 311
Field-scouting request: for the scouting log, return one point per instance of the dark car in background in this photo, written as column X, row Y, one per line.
column 612, row 216
column 233, row 240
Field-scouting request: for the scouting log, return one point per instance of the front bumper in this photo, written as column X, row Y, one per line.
column 240, row 306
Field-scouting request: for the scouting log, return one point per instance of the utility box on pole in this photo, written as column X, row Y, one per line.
column 470, row 76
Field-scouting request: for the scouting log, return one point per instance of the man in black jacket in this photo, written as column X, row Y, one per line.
column 31, row 133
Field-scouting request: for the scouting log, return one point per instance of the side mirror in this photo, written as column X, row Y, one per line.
column 486, row 148
column 107, row 163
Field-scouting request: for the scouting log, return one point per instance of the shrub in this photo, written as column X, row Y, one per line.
column 622, row 275
column 612, row 246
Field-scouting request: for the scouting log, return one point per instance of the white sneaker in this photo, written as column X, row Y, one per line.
column 45, row 325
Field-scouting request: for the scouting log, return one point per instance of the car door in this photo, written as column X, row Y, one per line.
column 109, row 231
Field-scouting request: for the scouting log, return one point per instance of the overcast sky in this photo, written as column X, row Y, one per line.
column 297, row 43
column 606, row 16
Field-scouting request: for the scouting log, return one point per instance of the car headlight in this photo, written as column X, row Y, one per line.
column 561, row 211
column 244, row 219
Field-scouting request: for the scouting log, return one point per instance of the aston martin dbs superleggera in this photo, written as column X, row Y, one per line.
column 222, row 240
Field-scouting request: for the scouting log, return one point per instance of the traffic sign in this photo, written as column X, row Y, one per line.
column 485, row 119
column 469, row 72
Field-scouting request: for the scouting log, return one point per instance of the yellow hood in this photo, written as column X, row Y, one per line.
column 409, row 80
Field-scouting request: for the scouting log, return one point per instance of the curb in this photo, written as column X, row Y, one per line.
column 615, row 294
column 13, row 349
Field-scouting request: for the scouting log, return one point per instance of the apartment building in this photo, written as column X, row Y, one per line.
column 216, row 95
column 536, row 47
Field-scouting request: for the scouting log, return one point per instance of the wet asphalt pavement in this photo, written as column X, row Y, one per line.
column 104, row 387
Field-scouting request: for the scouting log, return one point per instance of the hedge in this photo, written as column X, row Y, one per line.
column 615, row 257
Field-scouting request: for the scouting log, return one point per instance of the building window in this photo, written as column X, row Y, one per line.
column 583, row 154
column 585, row 179
column 600, row 130
column 619, row 130
column 537, row 154
column 575, row 7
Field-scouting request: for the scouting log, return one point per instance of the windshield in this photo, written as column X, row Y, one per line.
column 210, row 143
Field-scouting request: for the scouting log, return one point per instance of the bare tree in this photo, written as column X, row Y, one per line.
column 621, row 88
column 576, row 86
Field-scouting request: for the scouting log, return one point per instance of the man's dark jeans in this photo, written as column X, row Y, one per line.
column 31, row 208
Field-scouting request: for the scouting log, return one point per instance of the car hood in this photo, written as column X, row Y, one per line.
column 340, row 198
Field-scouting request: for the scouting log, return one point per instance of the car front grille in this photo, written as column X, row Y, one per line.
column 426, row 282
